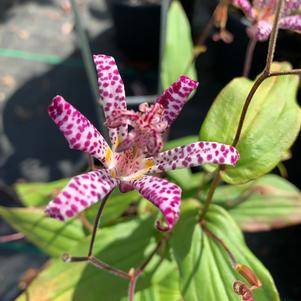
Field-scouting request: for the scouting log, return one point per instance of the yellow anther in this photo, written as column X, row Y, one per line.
column 148, row 163
column 113, row 173
column 108, row 156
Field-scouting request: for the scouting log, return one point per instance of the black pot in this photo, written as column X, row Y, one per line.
column 137, row 29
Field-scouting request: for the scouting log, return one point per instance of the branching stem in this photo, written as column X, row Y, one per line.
column 96, row 223
column 263, row 76
column 134, row 274
column 210, row 194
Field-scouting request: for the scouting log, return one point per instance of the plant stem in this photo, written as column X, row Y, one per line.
column 96, row 262
column 273, row 37
column 82, row 217
column 89, row 66
column 249, row 57
column 264, row 75
column 96, row 222
column 245, row 108
column 91, row 163
column 11, row 237
column 290, row 72
column 108, row 268
column 222, row 243
column 134, row 274
column 132, row 286
column 210, row 194
column 201, row 41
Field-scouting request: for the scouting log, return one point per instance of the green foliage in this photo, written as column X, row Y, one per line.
column 266, row 203
column 52, row 236
column 178, row 51
column 202, row 269
column 271, row 125
column 205, row 269
column 116, row 205
column 180, row 141
column 39, row 194
column 188, row 181
column 124, row 246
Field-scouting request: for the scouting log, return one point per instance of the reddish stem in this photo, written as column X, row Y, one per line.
column 11, row 237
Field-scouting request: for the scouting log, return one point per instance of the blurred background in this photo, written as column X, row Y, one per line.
column 40, row 57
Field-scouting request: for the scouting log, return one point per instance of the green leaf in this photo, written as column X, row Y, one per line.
column 187, row 180
column 164, row 287
column 264, row 204
column 52, row 236
column 116, row 205
column 270, row 128
column 124, row 246
column 184, row 177
column 178, row 50
column 206, row 272
column 180, row 141
column 39, row 194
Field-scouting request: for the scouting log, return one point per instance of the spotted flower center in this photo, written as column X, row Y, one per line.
column 264, row 10
column 147, row 127
column 129, row 164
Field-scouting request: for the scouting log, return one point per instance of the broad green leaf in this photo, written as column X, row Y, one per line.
column 180, row 141
column 52, row 236
column 116, row 205
column 165, row 288
column 266, row 203
column 271, row 125
column 124, row 246
column 178, row 50
column 186, row 179
column 39, row 194
column 206, row 272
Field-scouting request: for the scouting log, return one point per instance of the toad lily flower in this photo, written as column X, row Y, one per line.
column 262, row 14
column 127, row 164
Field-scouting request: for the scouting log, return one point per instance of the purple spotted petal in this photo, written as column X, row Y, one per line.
column 291, row 23
column 290, row 6
column 174, row 98
column 244, row 5
column 81, row 192
column 260, row 31
column 77, row 129
column 164, row 195
column 195, row 154
column 111, row 91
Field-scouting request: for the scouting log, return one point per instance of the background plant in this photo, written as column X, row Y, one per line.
column 200, row 259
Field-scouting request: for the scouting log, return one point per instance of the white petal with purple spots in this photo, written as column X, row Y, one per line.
column 174, row 97
column 77, row 129
column 291, row 23
column 111, row 91
column 164, row 195
column 193, row 155
column 81, row 192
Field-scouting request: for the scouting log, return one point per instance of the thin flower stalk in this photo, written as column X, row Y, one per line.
column 263, row 76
